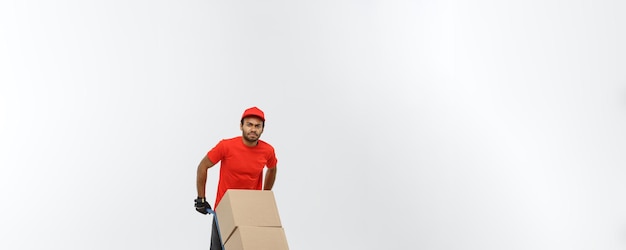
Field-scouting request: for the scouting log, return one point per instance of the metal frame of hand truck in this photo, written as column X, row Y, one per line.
column 217, row 224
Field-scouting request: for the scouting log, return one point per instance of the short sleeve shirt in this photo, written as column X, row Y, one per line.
column 241, row 165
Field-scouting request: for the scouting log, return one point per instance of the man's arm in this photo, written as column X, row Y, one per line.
column 270, row 176
column 203, row 167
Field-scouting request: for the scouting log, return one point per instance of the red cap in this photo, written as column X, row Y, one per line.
column 254, row 111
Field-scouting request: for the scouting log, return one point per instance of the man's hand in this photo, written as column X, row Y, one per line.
column 202, row 205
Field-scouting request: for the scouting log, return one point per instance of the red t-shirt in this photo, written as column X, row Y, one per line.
column 242, row 166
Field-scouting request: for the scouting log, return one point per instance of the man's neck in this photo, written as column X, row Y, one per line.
column 249, row 143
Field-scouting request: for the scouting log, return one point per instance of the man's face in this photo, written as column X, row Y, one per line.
column 252, row 128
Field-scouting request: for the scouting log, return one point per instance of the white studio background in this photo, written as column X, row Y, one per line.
column 397, row 124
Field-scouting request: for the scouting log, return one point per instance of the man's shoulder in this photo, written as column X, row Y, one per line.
column 229, row 142
column 236, row 138
column 264, row 144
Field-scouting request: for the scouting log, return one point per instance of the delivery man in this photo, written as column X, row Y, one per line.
column 243, row 159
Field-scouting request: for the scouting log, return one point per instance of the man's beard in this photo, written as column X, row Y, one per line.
column 247, row 138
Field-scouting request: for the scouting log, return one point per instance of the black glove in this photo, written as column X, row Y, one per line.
column 202, row 205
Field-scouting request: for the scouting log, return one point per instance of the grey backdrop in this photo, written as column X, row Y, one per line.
column 397, row 124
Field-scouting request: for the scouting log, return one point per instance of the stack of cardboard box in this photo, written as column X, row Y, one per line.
column 249, row 220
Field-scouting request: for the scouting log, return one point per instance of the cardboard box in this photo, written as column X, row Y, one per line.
column 257, row 238
column 241, row 207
